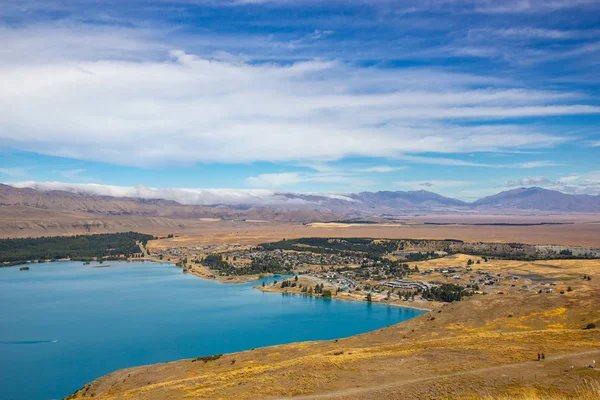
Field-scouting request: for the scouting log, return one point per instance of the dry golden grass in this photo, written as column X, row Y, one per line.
column 589, row 390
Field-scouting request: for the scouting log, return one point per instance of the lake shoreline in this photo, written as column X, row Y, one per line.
column 205, row 273
column 356, row 299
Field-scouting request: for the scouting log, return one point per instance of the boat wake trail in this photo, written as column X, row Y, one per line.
column 27, row 341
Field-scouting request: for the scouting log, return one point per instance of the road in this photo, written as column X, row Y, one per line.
column 143, row 250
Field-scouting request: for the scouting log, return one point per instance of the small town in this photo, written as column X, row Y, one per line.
column 357, row 275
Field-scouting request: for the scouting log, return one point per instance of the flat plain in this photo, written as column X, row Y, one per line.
column 576, row 231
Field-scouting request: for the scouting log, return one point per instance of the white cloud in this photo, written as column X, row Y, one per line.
column 191, row 196
column 15, row 172
column 538, row 164
column 443, row 161
column 181, row 195
column 381, row 169
column 270, row 180
column 585, row 183
column 532, row 32
column 345, row 176
column 333, row 176
column 431, row 184
column 568, row 179
column 74, row 174
column 528, row 6
column 125, row 99
column 530, row 181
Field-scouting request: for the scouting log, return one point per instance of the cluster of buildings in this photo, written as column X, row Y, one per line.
column 336, row 279
column 297, row 259
column 407, row 284
column 169, row 252
column 484, row 278
column 446, row 271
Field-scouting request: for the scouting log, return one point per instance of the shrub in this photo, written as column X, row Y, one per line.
column 591, row 325
column 208, row 358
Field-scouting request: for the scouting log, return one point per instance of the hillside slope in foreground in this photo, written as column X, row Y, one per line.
column 483, row 347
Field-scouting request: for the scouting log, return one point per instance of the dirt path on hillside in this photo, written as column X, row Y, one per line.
column 342, row 394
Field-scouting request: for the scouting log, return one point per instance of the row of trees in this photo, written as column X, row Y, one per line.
column 447, row 292
column 288, row 283
column 319, row 289
column 377, row 248
column 81, row 247
column 262, row 265
column 346, row 246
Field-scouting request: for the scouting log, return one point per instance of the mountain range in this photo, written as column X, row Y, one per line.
column 25, row 211
column 273, row 205
column 394, row 203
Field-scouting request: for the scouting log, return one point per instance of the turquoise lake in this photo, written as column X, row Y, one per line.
column 64, row 324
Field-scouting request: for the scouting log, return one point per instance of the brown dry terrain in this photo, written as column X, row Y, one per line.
column 30, row 213
column 250, row 233
column 19, row 221
column 482, row 347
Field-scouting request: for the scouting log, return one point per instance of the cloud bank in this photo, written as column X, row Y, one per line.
column 125, row 98
column 584, row 183
column 188, row 196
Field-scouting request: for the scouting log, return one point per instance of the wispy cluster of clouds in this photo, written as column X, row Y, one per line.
column 356, row 177
column 188, row 196
column 529, row 181
column 432, row 185
column 187, row 109
column 586, row 183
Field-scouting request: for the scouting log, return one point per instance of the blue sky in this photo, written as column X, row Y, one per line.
column 463, row 98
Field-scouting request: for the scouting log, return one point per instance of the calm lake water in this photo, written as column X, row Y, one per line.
column 65, row 324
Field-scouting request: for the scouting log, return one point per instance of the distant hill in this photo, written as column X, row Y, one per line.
column 36, row 212
column 373, row 203
column 399, row 202
column 416, row 199
column 536, row 198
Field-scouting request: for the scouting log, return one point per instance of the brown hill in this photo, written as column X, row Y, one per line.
column 536, row 198
column 29, row 212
